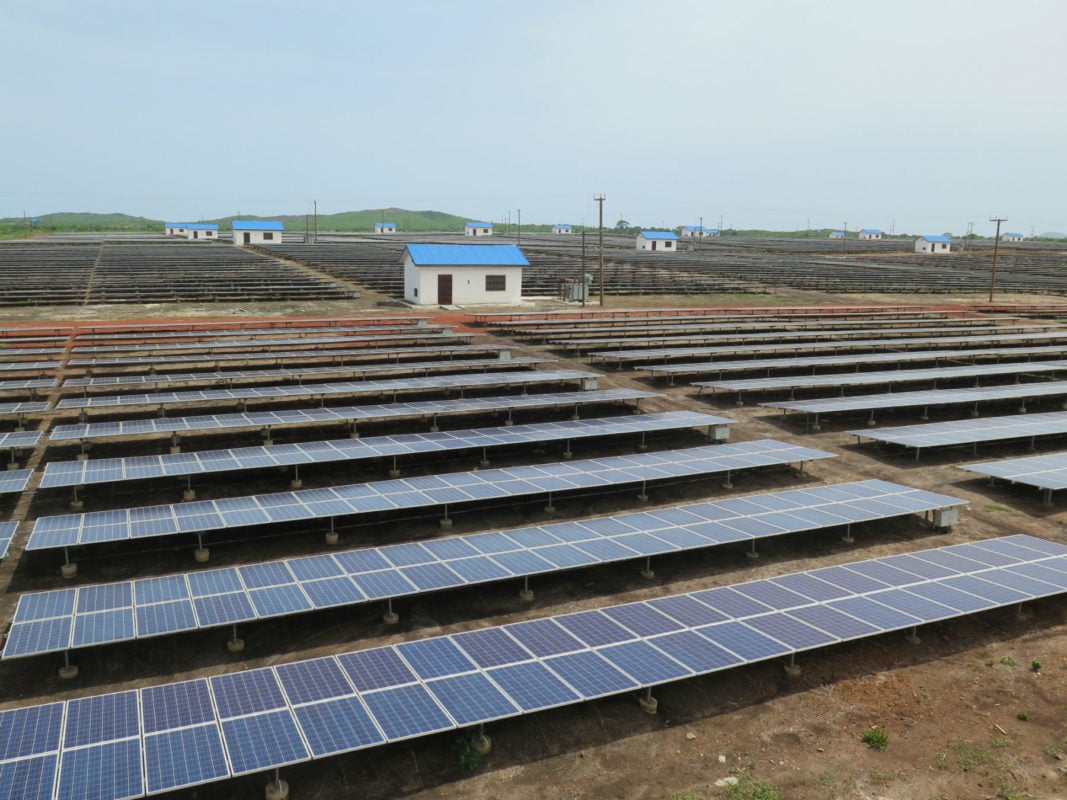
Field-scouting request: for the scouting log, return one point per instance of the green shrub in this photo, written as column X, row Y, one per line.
column 875, row 739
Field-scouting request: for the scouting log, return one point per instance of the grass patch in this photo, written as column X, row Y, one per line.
column 685, row 796
column 964, row 755
column 996, row 507
column 749, row 788
column 875, row 739
column 1008, row 661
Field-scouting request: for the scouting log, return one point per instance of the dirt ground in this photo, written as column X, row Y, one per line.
column 965, row 713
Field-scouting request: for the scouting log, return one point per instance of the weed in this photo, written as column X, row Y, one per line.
column 996, row 507
column 467, row 754
column 1008, row 661
column 990, row 662
column 1053, row 752
column 964, row 755
column 748, row 788
column 1035, row 665
column 685, row 796
column 875, row 739
column 1003, row 741
column 1022, row 715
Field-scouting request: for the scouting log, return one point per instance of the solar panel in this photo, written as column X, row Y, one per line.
column 15, row 480
column 72, row 529
column 260, row 419
column 224, row 596
column 7, row 533
column 25, row 407
column 401, row 332
column 79, row 473
column 16, row 439
column 435, row 383
column 1047, row 472
column 988, row 429
column 376, row 697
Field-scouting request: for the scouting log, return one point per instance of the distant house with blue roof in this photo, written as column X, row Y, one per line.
column 257, row 231
column 1012, row 237
column 463, row 274
column 175, row 228
column 837, row 234
column 478, row 229
column 870, row 234
column 933, row 244
column 698, row 232
column 562, row 227
column 385, row 227
column 659, row 241
column 202, row 231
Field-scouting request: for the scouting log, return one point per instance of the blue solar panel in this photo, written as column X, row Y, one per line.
column 686, row 610
column 641, row 619
column 155, row 590
column 594, row 628
column 532, row 686
column 337, row 726
column 406, row 711
column 176, row 705
column 101, row 718
column 376, row 669
column 789, row 631
column 30, row 731
column 694, row 651
column 433, row 658
column 112, row 770
column 544, row 637
column 428, row 577
column 471, row 698
column 383, row 584
column 29, row 779
column 161, row 618
column 742, row 640
column 103, row 626
column 278, row 600
column 318, row 679
column 590, row 674
column 491, row 647
column 263, row 741
column 730, row 602
column 42, row 636
column 184, row 757
column 223, row 609
column 333, row 592
column 246, row 692
column 836, row 623
column 42, row 605
column 644, row 663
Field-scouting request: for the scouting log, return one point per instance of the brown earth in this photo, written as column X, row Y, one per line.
column 950, row 705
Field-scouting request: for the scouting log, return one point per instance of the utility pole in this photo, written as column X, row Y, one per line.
column 600, row 200
column 844, row 238
column 720, row 224
column 581, row 277
column 518, row 227
column 316, row 202
column 996, row 246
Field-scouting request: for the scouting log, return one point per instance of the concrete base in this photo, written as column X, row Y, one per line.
column 12, row 465
column 1021, row 410
column 482, row 744
column 81, row 457
column 296, row 483
column 68, row 570
column 201, row 554
column 648, row 704
column 331, row 537
column 508, row 423
column 268, row 442
column 848, row 540
column 526, row 595
column 175, row 450
column 390, row 618
column 751, row 555
column 974, row 413
column 642, row 498
column 394, row 473
column 550, row 509
column 924, row 418
column 483, row 464
column 276, row 790
column 567, row 454
column 816, row 428
column 913, row 639
column 727, row 485
column 446, row 524
column 871, row 423
column 189, row 495
column 575, row 418
column 792, row 670
column 235, row 645
column 648, row 574
column 76, row 505
column 69, row 672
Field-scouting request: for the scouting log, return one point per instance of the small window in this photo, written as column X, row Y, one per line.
column 267, row 236
column 416, row 291
column 496, row 283
column 668, row 244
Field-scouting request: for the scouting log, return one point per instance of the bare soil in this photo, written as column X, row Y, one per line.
column 950, row 705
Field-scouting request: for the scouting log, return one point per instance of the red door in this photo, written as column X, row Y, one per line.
column 248, row 237
column 444, row 290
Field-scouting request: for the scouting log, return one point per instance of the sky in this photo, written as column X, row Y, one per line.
column 914, row 116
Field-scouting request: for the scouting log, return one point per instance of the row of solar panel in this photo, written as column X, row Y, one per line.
column 68, row 530
column 372, row 325
column 347, row 387
column 68, row 618
column 77, row 473
column 344, row 414
column 406, row 331
column 966, row 431
column 176, row 735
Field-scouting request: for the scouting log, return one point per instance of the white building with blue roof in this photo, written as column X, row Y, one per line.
column 658, row 241
column 463, row 274
column 698, row 232
column 870, row 234
column 478, row 229
column 202, row 231
column 562, row 227
column 385, row 227
column 175, row 228
column 1012, row 237
column 257, row 231
column 933, row 244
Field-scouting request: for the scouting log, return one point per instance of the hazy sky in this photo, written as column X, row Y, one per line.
column 767, row 113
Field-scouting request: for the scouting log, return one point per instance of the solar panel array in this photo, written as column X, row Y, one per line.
column 15, row 480
column 15, row 439
column 1045, row 472
column 129, row 743
column 361, row 413
column 436, row 382
column 403, row 332
column 68, row 530
column 966, row 431
column 68, row 618
column 77, row 473
column 7, row 533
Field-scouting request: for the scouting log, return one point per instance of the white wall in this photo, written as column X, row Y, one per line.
column 386, row 229
column 201, row 235
column 864, row 235
column 661, row 244
column 257, row 237
column 468, row 231
column 468, row 284
column 562, row 230
column 923, row 246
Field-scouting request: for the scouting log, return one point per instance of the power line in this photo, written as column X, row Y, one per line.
column 996, row 246
column 600, row 200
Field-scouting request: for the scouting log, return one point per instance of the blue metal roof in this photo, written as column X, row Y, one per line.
column 837, row 234
column 936, row 238
column 175, row 224
column 458, row 255
column 201, row 226
column 384, row 224
column 563, row 225
column 1009, row 233
column 659, row 235
column 257, row 225
column 870, row 230
column 479, row 224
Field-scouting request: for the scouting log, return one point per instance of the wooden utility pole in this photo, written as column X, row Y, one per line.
column 996, row 246
column 581, row 275
column 600, row 200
